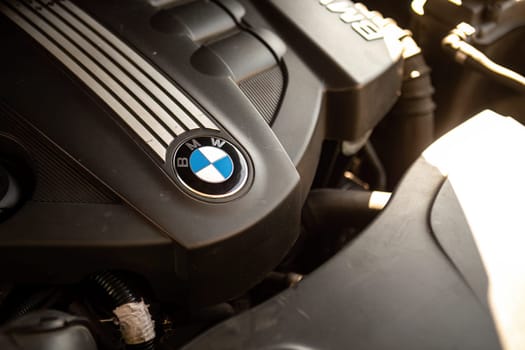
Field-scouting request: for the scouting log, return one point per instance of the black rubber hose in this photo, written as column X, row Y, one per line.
column 149, row 345
column 328, row 209
column 409, row 128
column 379, row 169
column 32, row 303
column 29, row 305
column 120, row 294
column 115, row 288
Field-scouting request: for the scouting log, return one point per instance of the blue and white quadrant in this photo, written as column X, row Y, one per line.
column 211, row 164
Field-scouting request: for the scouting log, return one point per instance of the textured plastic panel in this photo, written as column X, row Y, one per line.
column 186, row 245
column 362, row 72
column 58, row 177
column 392, row 288
column 265, row 91
column 47, row 330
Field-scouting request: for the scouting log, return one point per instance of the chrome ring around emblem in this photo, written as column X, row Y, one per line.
column 210, row 167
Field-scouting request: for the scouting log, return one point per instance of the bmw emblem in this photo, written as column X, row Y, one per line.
column 210, row 167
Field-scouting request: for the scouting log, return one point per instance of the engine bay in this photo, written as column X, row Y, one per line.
column 168, row 165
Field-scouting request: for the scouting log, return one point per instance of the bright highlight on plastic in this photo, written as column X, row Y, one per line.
column 418, row 6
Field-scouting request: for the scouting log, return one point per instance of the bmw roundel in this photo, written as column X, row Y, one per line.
column 211, row 164
column 210, row 167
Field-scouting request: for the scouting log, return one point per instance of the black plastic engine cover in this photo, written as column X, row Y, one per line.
column 86, row 93
column 175, row 141
column 348, row 47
